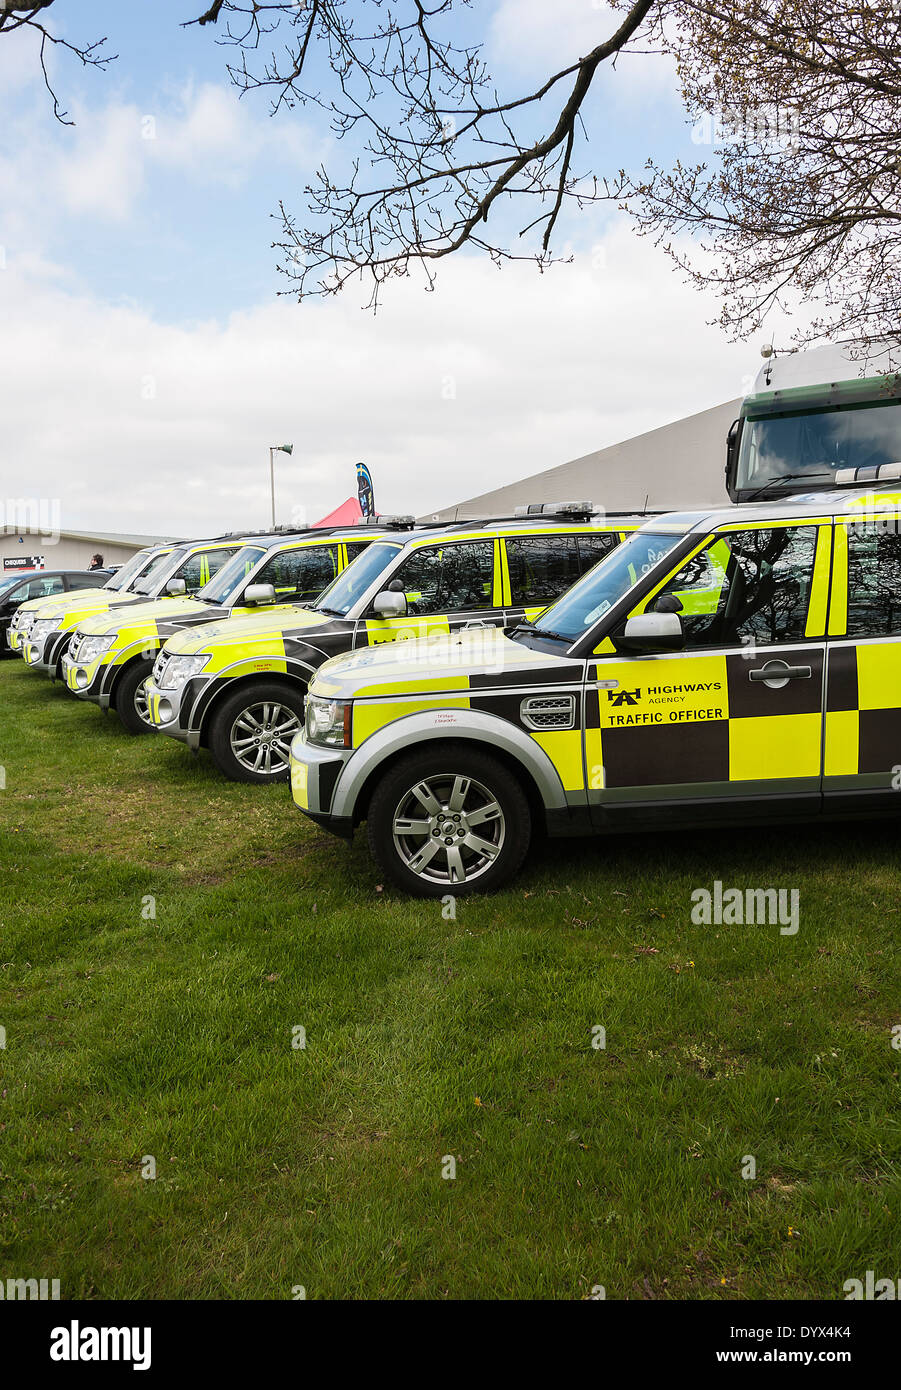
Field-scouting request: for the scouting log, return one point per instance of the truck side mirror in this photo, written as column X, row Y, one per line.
column 176, row 588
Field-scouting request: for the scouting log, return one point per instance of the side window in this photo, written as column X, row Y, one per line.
column 594, row 548
column 874, row 581
column 199, row 569
column 355, row 548
column 448, row 578
column 748, row 586
column 42, row 588
column 541, row 567
column 85, row 581
column 300, row 575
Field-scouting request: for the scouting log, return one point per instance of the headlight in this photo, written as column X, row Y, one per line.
column 43, row 627
column 177, row 669
column 88, row 648
column 328, row 721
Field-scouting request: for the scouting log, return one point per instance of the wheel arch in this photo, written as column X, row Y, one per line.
column 484, row 733
column 235, row 684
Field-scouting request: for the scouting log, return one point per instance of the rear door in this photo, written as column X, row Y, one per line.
column 538, row 569
column 737, row 715
column 863, row 693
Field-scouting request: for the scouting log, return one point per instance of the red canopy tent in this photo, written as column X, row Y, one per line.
column 348, row 514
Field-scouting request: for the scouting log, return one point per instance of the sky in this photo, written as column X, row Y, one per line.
column 147, row 360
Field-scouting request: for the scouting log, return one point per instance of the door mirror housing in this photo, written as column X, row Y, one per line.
column 389, row 604
column 257, row 594
column 652, row 632
column 176, row 588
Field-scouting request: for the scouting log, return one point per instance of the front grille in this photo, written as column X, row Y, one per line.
column 162, row 662
column 548, row 711
column 75, row 644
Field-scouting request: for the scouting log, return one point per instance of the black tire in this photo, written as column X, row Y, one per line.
column 236, row 718
column 130, row 700
column 464, row 783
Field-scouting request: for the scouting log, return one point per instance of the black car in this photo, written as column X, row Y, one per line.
column 18, row 588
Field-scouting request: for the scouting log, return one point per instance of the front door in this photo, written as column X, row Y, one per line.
column 737, row 714
column 447, row 586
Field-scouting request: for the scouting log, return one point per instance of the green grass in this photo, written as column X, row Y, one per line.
column 129, row 1036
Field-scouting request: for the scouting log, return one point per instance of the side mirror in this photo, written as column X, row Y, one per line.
column 732, row 441
column 256, row 594
column 652, row 632
column 176, row 588
column 389, row 604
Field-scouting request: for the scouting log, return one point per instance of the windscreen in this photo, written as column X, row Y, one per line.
column 138, row 564
column 602, row 587
column 812, row 446
column 338, row 599
column 148, row 582
column 223, row 586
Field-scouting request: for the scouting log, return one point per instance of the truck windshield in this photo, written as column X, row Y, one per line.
column 813, row 445
column 340, row 596
column 602, row 587
column 221, row 588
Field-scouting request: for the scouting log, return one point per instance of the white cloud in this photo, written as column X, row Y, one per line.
column 140, row 425
column 541, row 38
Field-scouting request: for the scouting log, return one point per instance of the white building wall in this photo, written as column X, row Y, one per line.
column 673, row 468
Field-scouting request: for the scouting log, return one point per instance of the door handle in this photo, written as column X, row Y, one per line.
column 779, row 672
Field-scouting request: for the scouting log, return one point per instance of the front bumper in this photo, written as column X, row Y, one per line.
column 314, row 775
column 43, row 655
column 168, row 712
column 85, row 679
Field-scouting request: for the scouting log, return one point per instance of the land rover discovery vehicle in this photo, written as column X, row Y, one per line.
column 238, row 687
column 173, row 572
column 716, row 668
column 111, row 655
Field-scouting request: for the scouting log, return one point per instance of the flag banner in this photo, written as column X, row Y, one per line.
column 365, row 490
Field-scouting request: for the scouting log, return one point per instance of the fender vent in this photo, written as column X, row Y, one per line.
column 548, row 711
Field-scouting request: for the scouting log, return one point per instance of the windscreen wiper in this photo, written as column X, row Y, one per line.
column 786, row 478
column 542, row 632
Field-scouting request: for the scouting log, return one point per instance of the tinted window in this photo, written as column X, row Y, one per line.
column 302, row 574
column 448, row 578
column 355, row 548
column 541, row 568
column 605, row 584
column 594, row 548
column 874, row 581
column 353, row 582
column 747, row 586
column 83, row 581
column 233, row 572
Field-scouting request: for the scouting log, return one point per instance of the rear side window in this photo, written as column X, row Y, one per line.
column 85, row 581
column 300, row 575
column 448, row 578
column 542, row 568
column 594, row 548
column 874, row 580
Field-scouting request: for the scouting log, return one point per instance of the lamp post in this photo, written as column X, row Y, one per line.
column 273, row 450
